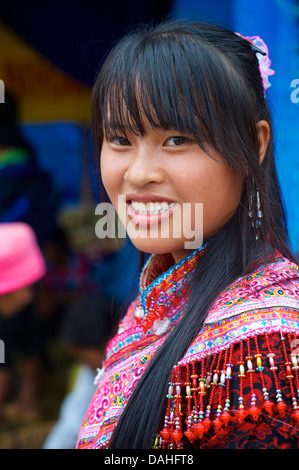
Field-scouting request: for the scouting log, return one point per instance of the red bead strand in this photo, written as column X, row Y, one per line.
column 241, row 410
column 218, row 423
column 207, row 420
column 281, row 406
column 166, row 431
column 189, row 433
column 289, row 377
column 254, row 411
column 268, row 405
column 199, row 427
column 226, row 416
column 177, row 433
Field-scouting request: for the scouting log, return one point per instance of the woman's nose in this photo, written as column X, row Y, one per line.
column 144, row 167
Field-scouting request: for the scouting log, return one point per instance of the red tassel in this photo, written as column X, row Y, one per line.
column 295, row 416
column 281, row 406
column 165, row 433
column 254, row 411
column 200, row 429
column 146, row 325
column 225, row 417
column 268, row 405
column 177, row 435
column 206, row 424
column 190, row 435
column 241, row 415
column 217, row 423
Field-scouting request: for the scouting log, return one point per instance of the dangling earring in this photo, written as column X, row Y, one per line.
column 259, row 212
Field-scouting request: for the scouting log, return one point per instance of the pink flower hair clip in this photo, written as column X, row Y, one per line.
column 259, row 46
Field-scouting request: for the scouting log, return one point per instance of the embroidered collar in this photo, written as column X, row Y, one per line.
column 163, row 287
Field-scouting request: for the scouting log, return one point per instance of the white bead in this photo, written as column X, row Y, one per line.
column 215, row 378
column 208, row 381
column 294, row 361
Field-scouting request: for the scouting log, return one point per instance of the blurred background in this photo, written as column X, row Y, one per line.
column 49, row 55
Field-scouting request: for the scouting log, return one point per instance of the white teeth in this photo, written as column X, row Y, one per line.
column 151, row 207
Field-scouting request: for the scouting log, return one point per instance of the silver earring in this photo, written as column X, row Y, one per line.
column 259, row 212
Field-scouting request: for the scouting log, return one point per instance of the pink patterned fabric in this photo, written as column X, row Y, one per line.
column 267, row 300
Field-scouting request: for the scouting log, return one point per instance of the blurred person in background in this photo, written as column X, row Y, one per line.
column 21, row 266
column 27, row 193
column 87, row 327
column 68, row 278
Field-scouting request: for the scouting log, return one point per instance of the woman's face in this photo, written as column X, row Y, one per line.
column 163, row 168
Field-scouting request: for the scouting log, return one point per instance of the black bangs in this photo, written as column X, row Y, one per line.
column 173, row 81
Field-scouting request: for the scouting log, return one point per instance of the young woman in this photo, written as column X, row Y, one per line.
column 207, row 354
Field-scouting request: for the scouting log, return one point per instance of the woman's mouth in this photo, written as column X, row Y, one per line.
column 150, row 213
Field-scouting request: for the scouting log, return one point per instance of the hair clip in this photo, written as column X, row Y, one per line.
column 259, row 46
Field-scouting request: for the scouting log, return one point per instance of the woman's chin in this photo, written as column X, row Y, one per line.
column 158, row 245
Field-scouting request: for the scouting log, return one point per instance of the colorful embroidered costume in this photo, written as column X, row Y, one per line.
column 237, row 386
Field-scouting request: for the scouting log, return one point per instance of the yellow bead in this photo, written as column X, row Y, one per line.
column 259, row 362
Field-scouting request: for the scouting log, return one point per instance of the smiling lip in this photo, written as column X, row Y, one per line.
column 147, row 220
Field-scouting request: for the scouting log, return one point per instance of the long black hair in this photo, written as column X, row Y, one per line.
column 203, row 80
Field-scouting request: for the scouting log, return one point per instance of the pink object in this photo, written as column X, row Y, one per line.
column 264, row 61
column 21, row 261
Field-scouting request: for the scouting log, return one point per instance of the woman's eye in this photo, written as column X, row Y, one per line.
column 121, row 141
column 176, row 141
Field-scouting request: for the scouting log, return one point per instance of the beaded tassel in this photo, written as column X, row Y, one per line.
column 177, row 433
column 166, row 431
column 207, row 420
column 199, row 427
column 221, row 384
column 241, row 410
column 226, row 416
column 268, row 405
column 281, row 406
column 254, row 411
column 289, row 377
column 189, row 433
column 199, row 398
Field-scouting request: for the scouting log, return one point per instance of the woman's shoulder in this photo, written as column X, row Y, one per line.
column 265, row 300
column 270, row 285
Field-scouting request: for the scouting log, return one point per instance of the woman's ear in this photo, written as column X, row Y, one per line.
column 263, row 130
